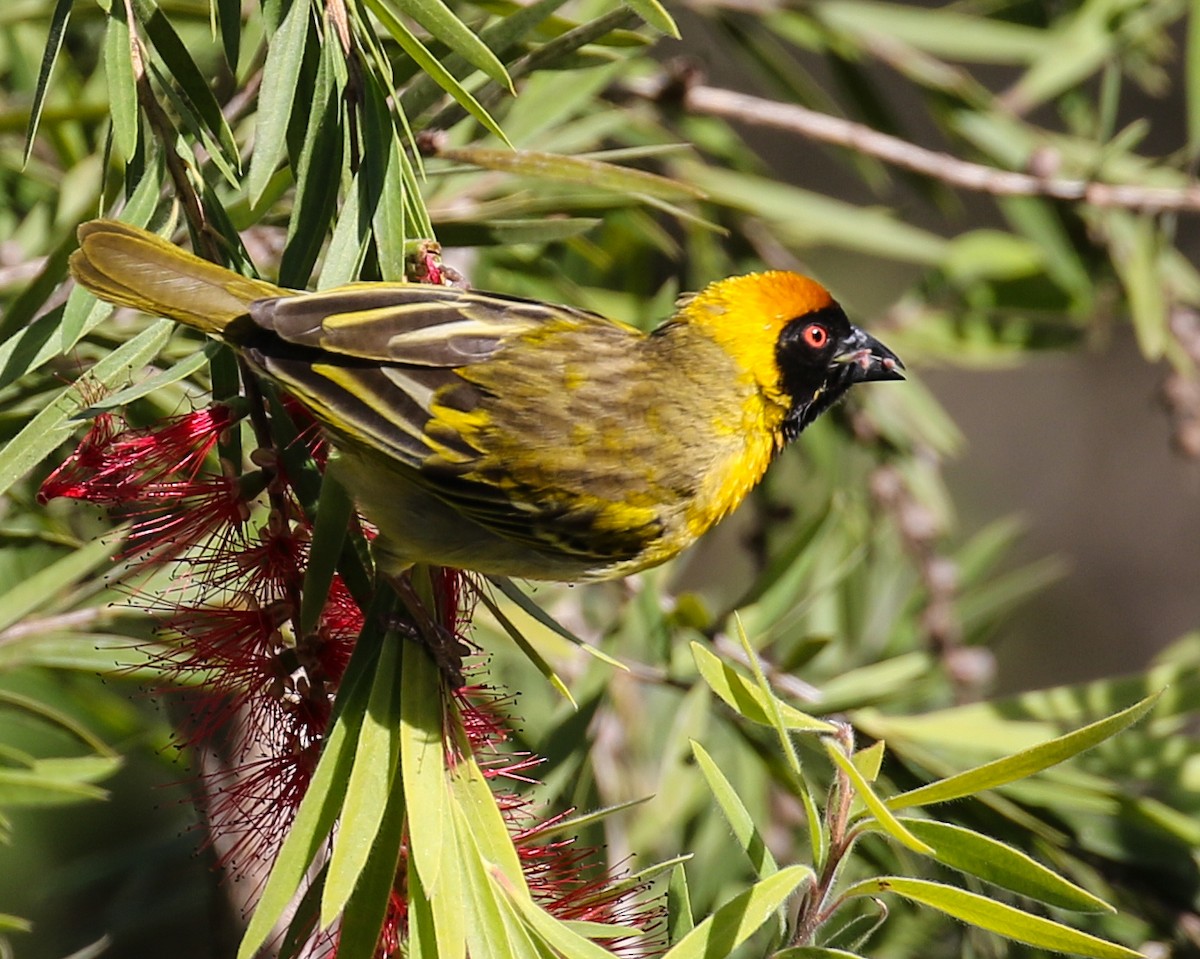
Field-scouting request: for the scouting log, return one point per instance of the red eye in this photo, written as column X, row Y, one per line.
column 816, row 336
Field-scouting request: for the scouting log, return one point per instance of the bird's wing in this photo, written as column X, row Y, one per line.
column 376, row 362
column 408, row 323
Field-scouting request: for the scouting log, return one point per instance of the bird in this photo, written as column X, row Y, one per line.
column 512, row 437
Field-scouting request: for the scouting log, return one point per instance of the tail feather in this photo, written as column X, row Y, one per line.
column 131, row 267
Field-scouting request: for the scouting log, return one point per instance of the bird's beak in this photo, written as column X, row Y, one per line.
column 868, row 359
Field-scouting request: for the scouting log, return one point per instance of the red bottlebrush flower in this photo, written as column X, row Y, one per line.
column 154, row 476
column 115, row 465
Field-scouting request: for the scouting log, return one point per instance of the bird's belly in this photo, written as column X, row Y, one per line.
column 417, row 526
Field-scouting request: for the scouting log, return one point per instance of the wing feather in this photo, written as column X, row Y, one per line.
column 409, row 323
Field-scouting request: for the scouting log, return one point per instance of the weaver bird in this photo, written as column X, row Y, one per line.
column 513, row 437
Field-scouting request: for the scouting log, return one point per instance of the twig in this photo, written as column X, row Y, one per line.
column 714, row 101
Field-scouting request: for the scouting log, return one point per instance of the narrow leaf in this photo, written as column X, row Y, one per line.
column 746, row 699
column 41, row 589
column 564, row 940
column 426, row 61
column 887, row 822
column 527, row 605
column 281, row 79
column 423, row 763
column 369, row 785
column 172, row 374
column 54, row 41
column 367, row 907
column 570, row 169
column 439, row 20
column 994, row 862
column 184, row 71
column 736, row 814
column 993, row 916
column 318, row 173
column 679, row 906
column 122, row 84
column 738, row 919
column 1025, row 763
column 530, row 652
column 655, row 15
column 334, row 513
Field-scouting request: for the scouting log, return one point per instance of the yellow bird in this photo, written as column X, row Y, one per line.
column 514, row 437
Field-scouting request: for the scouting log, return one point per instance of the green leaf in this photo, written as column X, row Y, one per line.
column 993, row 916
column 122, row 84
column 84, row 312
column 11, row 923
column 85, row 652
column 510, row 232
column 439, row 20
column 474, row 798
column 376, row 757
column 281, row 79
column 192, row 82
column 190, row 364
column 1075, row 48
column 768, row 699
column 51, row 427
column 870, row 760
column 229, row 17
column 883, row 816
column 562, row 938
column 940, row 31
column 655, row 15
column 54, row 781
column 814, row 952
column 991, row 255
column 54, row 42
column 1135, row 247
column 335, row 511
column 51, row 714
column 318, row 173
column 426, row 61
column 528, row 649
column 576, row 824
column 515, row 25
column 736, row 814
column 994, row 862
column 513, row 592
column 738, row 919
column 1024, row 763
column 571, row 169
column 802, row 218
column 746, row 699
column 27, row 303
column 368, row 904
column 47, row 585
column 351, row 238
column 423, row 764
column 679, row 906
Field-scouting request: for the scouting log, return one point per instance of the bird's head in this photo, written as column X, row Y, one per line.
column 792, row 338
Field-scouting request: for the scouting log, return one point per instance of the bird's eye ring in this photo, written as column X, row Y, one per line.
column 816, row 336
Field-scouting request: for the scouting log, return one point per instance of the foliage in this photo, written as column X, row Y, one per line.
column 811, row 679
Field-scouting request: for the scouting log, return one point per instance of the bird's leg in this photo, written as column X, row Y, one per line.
column 446, row 649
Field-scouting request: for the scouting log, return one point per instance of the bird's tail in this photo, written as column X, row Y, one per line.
column 132, row 267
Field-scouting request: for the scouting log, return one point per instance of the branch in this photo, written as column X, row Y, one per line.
column 731, row 105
